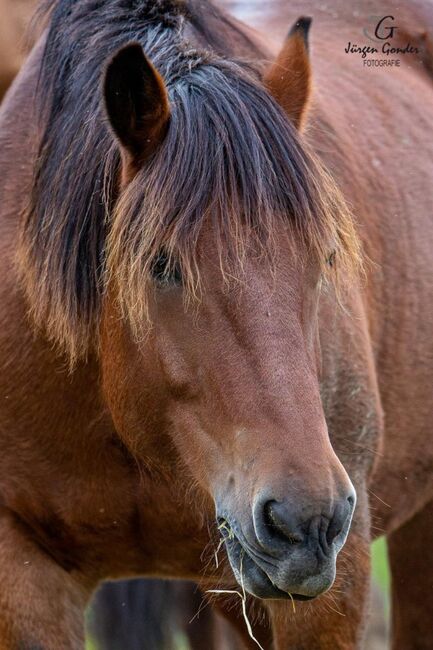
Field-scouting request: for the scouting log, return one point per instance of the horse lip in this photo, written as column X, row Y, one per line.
column 274, row 593
column 302, row 598
column 265, row 587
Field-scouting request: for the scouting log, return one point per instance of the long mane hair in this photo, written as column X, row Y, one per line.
column 230, row 156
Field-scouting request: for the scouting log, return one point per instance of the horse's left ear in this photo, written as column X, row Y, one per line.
column 136, row 102
column 289, row 78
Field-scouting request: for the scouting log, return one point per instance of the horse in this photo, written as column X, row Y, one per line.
column 199, row 380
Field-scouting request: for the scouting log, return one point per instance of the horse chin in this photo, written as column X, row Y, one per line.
column 255, row 580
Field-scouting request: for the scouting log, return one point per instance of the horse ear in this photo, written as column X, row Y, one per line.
column 289, row 78
column 136, row 102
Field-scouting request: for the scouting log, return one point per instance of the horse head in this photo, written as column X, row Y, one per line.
column 219, row 241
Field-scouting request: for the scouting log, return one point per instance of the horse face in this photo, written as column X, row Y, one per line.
column 226, row 390
column 242, row 401
column 229, row 390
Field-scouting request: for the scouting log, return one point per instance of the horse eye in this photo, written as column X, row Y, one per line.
column 165, row 271
column 331, row 259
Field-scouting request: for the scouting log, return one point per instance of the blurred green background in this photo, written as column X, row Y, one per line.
column 380, row 568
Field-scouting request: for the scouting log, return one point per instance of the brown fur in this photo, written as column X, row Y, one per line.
column 15, row 40
column 113, row 469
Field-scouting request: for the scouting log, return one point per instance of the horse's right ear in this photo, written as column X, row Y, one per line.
column 136, row 102
column 289, row 78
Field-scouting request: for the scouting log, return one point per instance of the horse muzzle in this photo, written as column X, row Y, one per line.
column 283, row 554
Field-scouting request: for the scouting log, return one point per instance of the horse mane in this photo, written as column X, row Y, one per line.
column 230, row 155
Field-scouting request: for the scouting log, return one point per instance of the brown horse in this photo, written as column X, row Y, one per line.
column 179, row 256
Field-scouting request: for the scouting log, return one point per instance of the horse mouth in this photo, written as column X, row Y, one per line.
column 252, row 577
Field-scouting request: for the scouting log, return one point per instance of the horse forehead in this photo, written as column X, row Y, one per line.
column 254, row 300
column 267, row 274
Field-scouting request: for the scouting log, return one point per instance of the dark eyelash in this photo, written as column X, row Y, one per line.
column 165, row 271
column 331, row 259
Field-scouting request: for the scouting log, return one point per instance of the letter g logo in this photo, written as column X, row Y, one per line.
column 390, row 30
column 382, row 31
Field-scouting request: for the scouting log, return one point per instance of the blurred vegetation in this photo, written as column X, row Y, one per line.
column 380, row 568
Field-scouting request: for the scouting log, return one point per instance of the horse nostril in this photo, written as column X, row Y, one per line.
column 295, row 526
column 278, row 523
column 339, row 520
column 334, row 529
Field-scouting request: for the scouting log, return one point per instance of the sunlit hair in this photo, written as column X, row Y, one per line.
column 230, row 159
